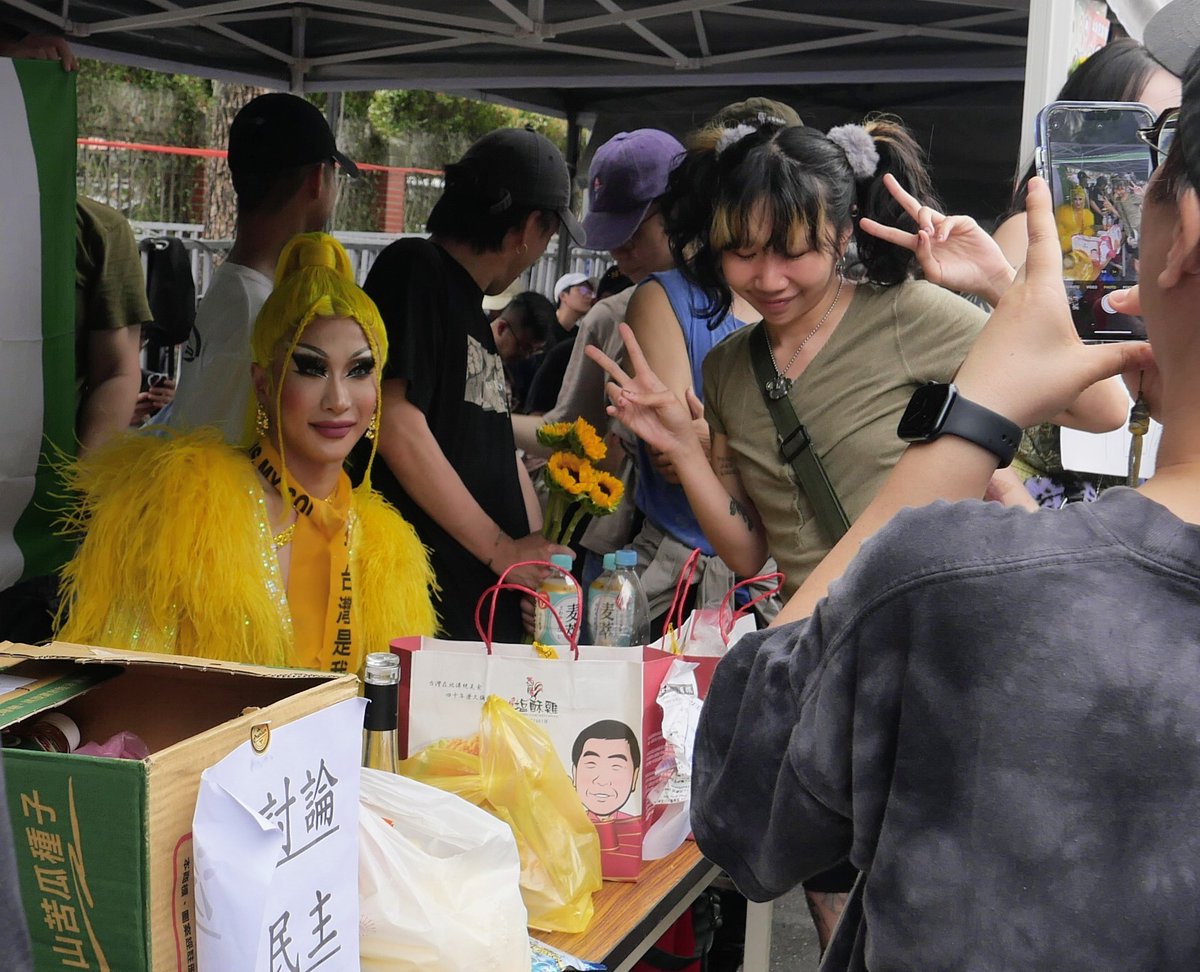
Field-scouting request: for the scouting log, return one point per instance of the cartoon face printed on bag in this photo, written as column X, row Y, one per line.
column 604, row 768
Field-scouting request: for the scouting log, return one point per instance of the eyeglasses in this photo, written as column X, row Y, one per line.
column 1160, row 136
column 526, row 348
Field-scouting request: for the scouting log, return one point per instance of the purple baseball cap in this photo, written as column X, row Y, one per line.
column 628, row 173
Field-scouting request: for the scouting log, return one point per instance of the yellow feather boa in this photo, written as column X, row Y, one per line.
column 177, row 557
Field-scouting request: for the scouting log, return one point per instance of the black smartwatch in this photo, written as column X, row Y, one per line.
column 936, row 409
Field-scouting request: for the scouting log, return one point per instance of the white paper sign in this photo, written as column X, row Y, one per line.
column 276, row 843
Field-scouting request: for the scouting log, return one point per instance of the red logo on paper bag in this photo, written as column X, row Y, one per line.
column 530, row 704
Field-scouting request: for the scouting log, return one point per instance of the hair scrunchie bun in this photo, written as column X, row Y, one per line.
column 731, row 136
column 859, row 147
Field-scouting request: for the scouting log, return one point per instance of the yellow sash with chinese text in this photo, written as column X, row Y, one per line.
column 319, row 586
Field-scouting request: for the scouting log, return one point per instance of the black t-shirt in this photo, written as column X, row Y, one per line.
column 547, row 381
column 440, row 343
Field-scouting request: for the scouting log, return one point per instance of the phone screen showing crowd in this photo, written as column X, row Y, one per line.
column 1098, row 167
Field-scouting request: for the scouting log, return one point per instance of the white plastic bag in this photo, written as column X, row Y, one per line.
column 438, row 882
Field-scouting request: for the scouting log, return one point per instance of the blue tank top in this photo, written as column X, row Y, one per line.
column 666, row 504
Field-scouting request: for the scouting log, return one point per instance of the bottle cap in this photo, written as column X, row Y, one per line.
column 627, row 558
column 382, row 668
column 610, row 561
column 561, row 560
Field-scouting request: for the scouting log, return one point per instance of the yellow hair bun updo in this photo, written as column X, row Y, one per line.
column 313, row 250
column 314, row 278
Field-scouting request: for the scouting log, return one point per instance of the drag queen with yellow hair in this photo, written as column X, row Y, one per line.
column 263, row 555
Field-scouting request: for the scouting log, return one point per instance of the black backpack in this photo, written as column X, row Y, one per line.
column 170, row 290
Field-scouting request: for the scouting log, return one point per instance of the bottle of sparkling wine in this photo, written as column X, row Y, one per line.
column 381, row 688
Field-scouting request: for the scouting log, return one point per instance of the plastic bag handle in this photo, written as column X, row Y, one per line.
column 504, row 584
column 725, row 611
column 687, row 574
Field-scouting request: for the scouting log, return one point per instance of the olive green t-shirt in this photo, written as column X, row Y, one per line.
column 850, row 398
column 110, row 288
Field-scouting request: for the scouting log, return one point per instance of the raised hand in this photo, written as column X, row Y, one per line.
column 953, row 251
column 40, row 47
column 643, row 404
column 664, row 463
column 1028, row 362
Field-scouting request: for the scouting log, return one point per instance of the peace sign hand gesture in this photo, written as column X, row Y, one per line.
column 645, row 406
column 953, row 251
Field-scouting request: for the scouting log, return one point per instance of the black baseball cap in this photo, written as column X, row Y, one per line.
column 274, row 132
column 1187, row 131
column 524, row 168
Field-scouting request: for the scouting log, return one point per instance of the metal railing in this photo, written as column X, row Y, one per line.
column 362, row 249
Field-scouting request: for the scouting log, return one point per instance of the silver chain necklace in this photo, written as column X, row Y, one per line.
column 778, row 386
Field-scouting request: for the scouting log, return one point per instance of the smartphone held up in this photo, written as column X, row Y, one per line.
column 1097, row 166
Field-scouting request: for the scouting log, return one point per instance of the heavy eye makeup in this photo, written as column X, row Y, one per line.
column 362, row 367
column 311, row 363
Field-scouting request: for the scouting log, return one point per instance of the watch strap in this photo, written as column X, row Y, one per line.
column 795, row 445
column 985, row 428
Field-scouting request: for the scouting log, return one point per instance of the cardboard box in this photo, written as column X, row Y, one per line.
column 103, row 846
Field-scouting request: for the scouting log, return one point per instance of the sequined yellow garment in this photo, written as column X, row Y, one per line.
column 177, row 557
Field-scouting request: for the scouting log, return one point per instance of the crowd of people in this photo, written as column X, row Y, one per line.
column 970, row 728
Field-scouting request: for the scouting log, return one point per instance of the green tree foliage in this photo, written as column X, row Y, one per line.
column 393, row 127
column 395, row 113
column 127, row 104
column 105, row 113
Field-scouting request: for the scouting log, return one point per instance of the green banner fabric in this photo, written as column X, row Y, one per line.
column 37, row 327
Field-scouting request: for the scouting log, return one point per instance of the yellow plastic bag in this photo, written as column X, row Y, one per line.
column 511, row 770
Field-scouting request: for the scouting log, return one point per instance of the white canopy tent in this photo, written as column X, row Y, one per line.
column 952, row 69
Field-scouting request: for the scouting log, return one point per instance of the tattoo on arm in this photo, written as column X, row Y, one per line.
column 736, row 509
column 725, row 466
column 495, row 549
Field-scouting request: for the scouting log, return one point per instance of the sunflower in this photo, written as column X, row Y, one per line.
column 591, row 446
column 604, row 492
column 572, row 479
column 554, row 434
column 568, row 473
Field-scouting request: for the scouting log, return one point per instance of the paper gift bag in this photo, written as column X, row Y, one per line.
column 713, row 630
column 599, row 709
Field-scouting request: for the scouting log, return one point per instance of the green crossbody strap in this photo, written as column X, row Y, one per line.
column 795, row 445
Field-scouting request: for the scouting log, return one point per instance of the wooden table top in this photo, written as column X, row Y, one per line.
column 627, row 911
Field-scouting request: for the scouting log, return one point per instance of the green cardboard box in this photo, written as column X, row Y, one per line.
column 103, row 846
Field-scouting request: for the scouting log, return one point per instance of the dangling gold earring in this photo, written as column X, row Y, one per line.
column 262, row 424
column 371, row 429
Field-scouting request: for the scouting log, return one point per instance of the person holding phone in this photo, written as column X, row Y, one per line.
column 262, row 554
column 1122, row 71
column 769, row 213
column 1007, row 701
